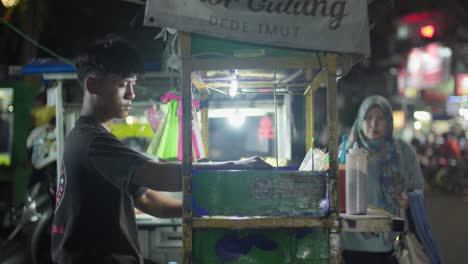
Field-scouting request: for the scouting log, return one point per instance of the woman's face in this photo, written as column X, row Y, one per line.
column 375, row 124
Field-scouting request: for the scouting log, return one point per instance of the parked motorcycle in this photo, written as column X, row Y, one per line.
column 448, row 175
column 29, row 240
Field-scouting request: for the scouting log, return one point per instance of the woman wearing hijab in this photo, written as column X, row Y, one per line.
column 393, row 170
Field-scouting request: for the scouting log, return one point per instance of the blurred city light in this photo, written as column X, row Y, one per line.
column 130, row 120
column 427, row 31
column 462, row 86
column 422, row 116
column 417, row 125
column 463, row 112
column 403, row 32
column 10, row 3
column 446, row 52
column 398, row 119
column 458, row 99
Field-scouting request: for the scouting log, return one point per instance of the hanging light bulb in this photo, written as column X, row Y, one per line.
column 10, row 3
column 234, row 85
column 236, row 119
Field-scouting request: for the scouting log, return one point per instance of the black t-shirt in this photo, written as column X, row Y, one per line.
column 94, row 219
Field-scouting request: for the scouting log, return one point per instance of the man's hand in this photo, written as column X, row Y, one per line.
column 254, row 163
column 251, row 163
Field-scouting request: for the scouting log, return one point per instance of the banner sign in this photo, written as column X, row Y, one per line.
column 325, row 25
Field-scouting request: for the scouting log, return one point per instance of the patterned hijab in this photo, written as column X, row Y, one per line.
column 384, row 152
column 357, row 132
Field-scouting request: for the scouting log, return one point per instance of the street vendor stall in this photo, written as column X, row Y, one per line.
column 271, row 50
column 274, row 216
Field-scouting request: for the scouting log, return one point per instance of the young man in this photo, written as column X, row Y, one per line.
column 100, row 179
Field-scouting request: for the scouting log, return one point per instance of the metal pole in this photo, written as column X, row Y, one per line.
column 59, row 127
column 186, row 69
column 276, row 123
column 309, row 112
column 332, row 107
column 205, row 125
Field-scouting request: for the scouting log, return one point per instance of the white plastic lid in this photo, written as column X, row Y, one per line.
column 356, row 149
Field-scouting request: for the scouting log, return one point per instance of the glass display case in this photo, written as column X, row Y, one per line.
column 281, row 215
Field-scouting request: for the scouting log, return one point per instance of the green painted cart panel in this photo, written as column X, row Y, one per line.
column 203, row 44
column 272, row 246
column 259, row 193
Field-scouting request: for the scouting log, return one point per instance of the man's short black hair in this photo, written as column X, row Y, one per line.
column 111, row 54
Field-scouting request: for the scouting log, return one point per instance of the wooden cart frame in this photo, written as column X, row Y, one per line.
column 326, row 77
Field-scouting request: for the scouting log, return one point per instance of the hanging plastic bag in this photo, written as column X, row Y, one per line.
column 154, row 118
column 409, row 250
column 154, row 145
column 166, row 143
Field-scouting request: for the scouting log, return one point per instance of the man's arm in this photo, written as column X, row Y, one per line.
column 167, row 176
column 161, row 176
column 159, row 205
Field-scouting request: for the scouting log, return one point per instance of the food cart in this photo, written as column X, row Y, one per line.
column 274, row 216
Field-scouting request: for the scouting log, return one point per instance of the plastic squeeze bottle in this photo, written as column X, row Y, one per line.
column 342, row 176
column 356, row 180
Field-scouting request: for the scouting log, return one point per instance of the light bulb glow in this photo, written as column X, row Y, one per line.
column 10, row 3
column 236, row 120
column 233, row 87
column 130, row 120
column 427, row 31
column 463, row 112
column 417, row 125
column 423, row 116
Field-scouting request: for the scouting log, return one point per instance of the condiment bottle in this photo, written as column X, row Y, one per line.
column 356, row 180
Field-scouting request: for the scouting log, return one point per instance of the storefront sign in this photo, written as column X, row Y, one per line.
column 429, row 66
column 427, row 72
column 330, row 25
